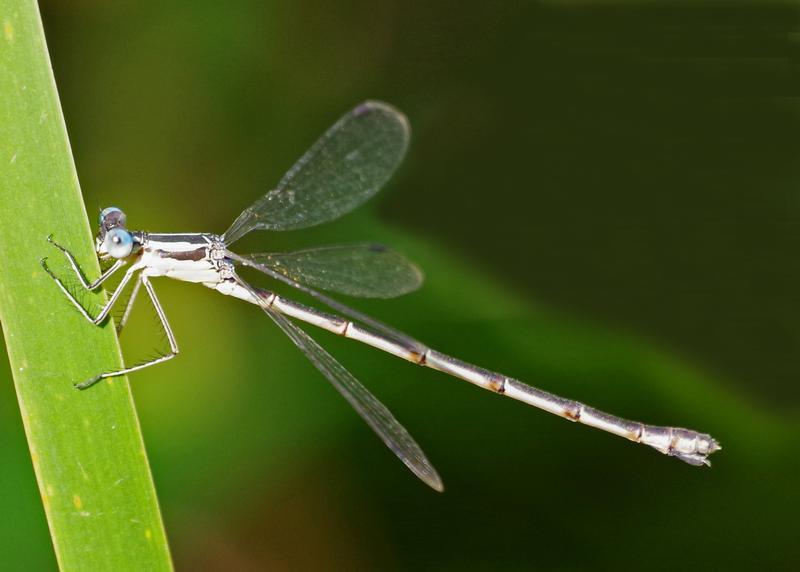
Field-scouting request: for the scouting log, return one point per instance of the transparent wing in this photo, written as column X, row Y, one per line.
column 363, row 270
column 366, row 405
column 352, row 313
column 344, row 168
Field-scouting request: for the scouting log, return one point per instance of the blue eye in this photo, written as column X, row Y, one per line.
column 118, row 243
column 111, row 217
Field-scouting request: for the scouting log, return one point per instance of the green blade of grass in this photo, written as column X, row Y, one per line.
column 86, row 447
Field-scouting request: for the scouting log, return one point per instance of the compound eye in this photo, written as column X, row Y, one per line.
column 111, row 217
column 118, row 243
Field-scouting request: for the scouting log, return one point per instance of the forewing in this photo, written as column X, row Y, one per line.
column 344, row 168
column 362, row 270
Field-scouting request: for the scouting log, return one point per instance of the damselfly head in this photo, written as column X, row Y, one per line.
column 113, row 239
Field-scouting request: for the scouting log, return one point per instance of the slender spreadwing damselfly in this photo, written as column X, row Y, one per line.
column 344, row 168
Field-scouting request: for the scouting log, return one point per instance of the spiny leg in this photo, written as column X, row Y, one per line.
column 129, row 306
column 73, row 263
column 104, row 311
column 173, row 345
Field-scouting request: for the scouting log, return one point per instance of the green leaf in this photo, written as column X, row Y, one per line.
column 86, row 447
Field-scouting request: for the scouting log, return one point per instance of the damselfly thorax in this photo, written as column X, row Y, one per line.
column 189, row 257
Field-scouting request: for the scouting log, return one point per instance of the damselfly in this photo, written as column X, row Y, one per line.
column 344, row 168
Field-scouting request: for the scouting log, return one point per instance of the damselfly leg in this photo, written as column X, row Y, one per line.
column 173, row 345
column 76, row 269
column 97, row 320
column 126, row 314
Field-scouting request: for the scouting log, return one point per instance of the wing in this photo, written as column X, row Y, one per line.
column 362, row 270
column 366, row 405
column 344, row 168
column 352, row 313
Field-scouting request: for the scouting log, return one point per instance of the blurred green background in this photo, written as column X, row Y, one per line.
column 605, row 199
